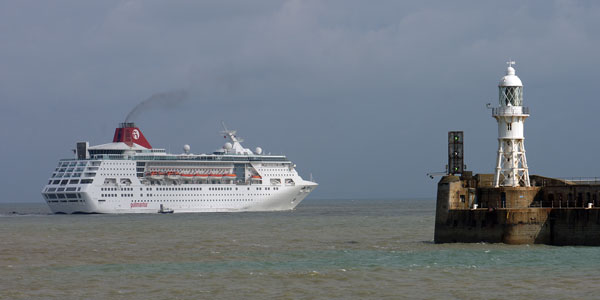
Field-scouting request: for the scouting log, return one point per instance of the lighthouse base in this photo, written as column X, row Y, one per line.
column 554, row 212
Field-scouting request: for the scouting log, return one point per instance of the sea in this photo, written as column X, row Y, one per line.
column 324, row 249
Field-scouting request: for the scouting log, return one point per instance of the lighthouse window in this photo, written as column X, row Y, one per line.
column 511, row 95
column 509, row 125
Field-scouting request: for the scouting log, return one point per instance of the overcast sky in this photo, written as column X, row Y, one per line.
column 359, row 93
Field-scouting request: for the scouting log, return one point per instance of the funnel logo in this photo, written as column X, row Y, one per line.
column 136, row 134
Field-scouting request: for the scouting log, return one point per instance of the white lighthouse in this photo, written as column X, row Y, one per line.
column 511, row 164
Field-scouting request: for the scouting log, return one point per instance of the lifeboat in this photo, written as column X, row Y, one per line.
column 215, row 177
column 229, row 176
column 173, row 175
column 201, row 176
column 157, row 175
column 256, row 177
column 189, row 177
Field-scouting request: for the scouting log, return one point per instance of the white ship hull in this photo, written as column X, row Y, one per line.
column 285, row 198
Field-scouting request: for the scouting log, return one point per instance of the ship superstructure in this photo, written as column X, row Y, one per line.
column 129, row 176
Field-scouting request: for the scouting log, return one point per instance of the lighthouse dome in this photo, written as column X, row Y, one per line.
column 510, row 79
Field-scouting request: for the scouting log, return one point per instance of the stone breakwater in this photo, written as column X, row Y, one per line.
column 552, row 211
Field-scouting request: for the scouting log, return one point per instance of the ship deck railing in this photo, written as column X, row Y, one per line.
column 183, row 157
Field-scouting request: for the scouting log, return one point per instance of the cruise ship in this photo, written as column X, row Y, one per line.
column 129, row 176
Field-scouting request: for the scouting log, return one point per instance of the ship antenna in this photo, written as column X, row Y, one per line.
column 224, row 126
column 230, row 133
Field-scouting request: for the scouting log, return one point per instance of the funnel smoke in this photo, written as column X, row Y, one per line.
column 159, row 100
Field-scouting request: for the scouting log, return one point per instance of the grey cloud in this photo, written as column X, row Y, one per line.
column 359, row 93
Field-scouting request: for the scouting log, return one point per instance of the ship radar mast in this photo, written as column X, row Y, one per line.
column 236, row 147
column 230, row 134
column 511, row 163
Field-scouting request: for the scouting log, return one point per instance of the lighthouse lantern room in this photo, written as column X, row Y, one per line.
column 511, row 163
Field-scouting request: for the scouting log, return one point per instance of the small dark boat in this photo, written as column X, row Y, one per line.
column 165, row 210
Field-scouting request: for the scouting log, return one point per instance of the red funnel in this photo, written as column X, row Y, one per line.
column 129, row 134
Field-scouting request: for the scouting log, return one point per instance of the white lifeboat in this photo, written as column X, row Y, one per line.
column 188, row 177
column 201, row 176
column 157, row 175
column 173, row 175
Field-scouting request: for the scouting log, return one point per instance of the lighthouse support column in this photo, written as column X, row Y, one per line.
column 498, row 163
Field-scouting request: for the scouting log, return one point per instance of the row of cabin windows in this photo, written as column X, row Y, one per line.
column 80, row 169
column 59, row 175
column 117, row 189
column 71, row 164
column 49, row 196
column 71, row 189
column 64, row 182
column 118, row 163
column 68, row 170
column 192, row 200
column 126, row 174
column 72, row 181
column 70, row 200
column 175, row 195
column 177, row 189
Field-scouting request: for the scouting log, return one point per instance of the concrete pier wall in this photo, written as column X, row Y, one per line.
column 515, row 215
